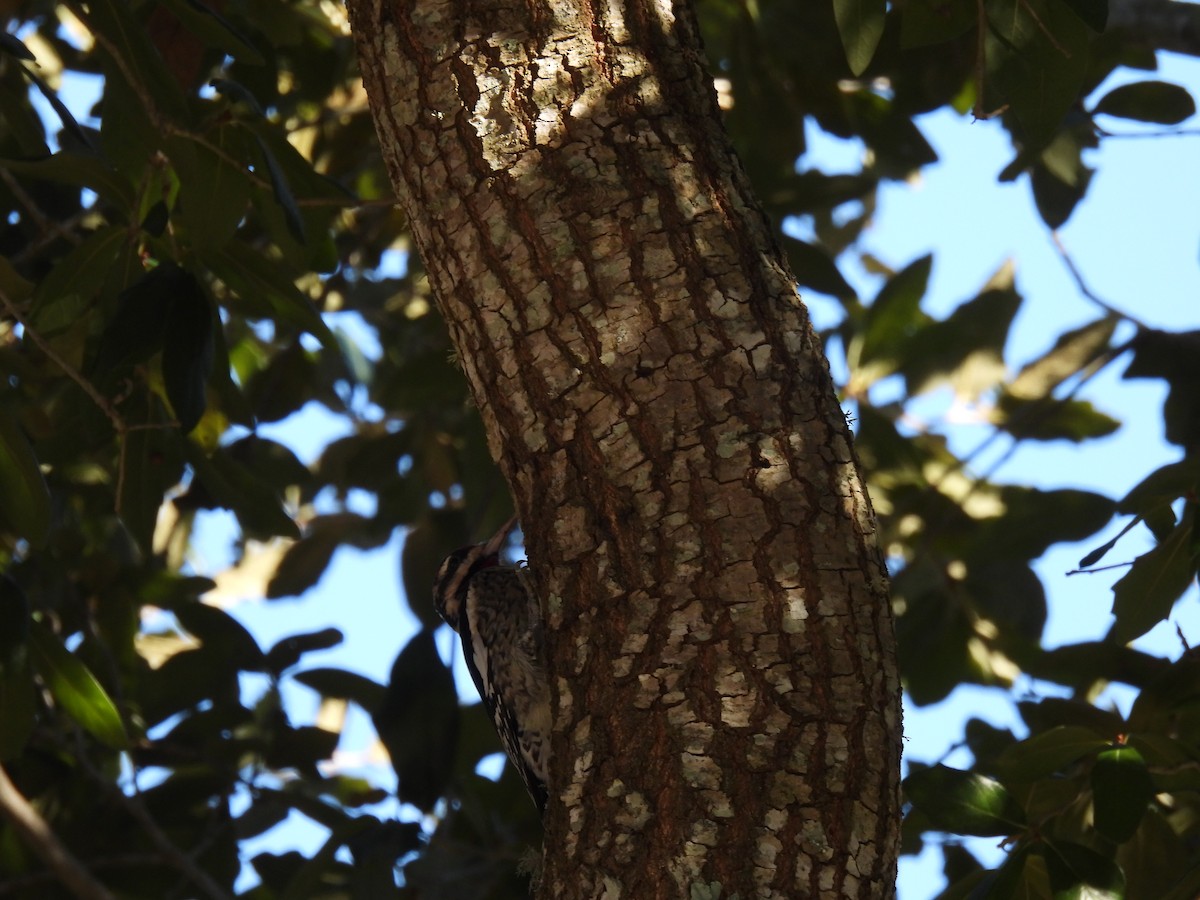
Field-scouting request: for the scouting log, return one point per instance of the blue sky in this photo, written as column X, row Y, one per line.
column 1136, row 238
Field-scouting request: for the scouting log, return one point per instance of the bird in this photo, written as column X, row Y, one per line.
column 499, row 622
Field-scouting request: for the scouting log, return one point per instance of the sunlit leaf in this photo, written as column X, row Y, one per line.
column 75, row 688
column 964, row 802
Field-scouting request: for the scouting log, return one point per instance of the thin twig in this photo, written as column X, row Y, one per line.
column 1083, row 285
column 45, row 224
column 29, row 823
column 74, row 374
column 171, row 854
column 1096, row 569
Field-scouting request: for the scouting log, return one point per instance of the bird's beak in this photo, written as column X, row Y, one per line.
column 496, row 542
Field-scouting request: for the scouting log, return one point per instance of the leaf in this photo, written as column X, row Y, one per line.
column 214, row 187
column 1037, row 56
column 967, row 348
column 70, row 126
column 1162, row 487
column 1121, row 791
column 1093, row 13
column 1148, row 591
column 926, row 22
column 418, row 722
column 338, row 683
column 11, row 45
column 221, row 632
column 215, row 30
column 814, row 269
column 283, row 193
column 303, row 564
column 234, row 486
column 1080, row 873
column 135, row 332
column 84, row 170
column 26, row 498
column 860, row 24
column 150, row 455
column 1148, row 101
column 75, row 689
column 1049, row 419
column 1048, row 752
column 265, row 286
column 81, row 273
column 893, row 318
column 964, row 802
column 287, row 652
column 187, row 350
column 1070, row 354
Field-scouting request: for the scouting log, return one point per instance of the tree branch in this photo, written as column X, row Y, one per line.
column 1161, row 24
column 35, row 831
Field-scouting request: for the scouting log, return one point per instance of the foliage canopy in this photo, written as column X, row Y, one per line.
column 213, row 248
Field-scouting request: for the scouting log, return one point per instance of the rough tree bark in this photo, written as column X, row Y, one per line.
column 722, row 651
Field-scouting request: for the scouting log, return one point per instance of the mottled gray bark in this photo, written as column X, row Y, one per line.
column 722, row 650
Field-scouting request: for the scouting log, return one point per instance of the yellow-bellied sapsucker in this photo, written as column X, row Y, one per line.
column 500, row 624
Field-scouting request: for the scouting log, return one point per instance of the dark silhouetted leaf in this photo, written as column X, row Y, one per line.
column 345, row 685
column 26, row 499
column 1148, row 591
column 287, row 652
column 418, row 722
column 221, row 632
column 1148, row 101
column 1080, row 873
column 1094, row 13
column 187, row 350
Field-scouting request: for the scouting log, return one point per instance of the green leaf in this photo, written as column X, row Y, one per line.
column 264, row 286
column 1121, row 790
column 926, row 22
column 1148, row 591
column 70, row 126
column 14, row 625
column 81, row 273
column 214, row 187
column 964, row 802
column 75, row 688
column 419, row 560
column 187, row 350
column 892, row 319
column 1037, row 56
column 151, row 457
column 1046, row 753
column 967, row 348
column 418, row 722
column 1070, row 354
column 860, row 24
column 1049, row 419
column 1080, row 873
column 26, row 499
column 1148, row 101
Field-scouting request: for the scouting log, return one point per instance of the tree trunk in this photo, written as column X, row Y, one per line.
column 727, row 701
